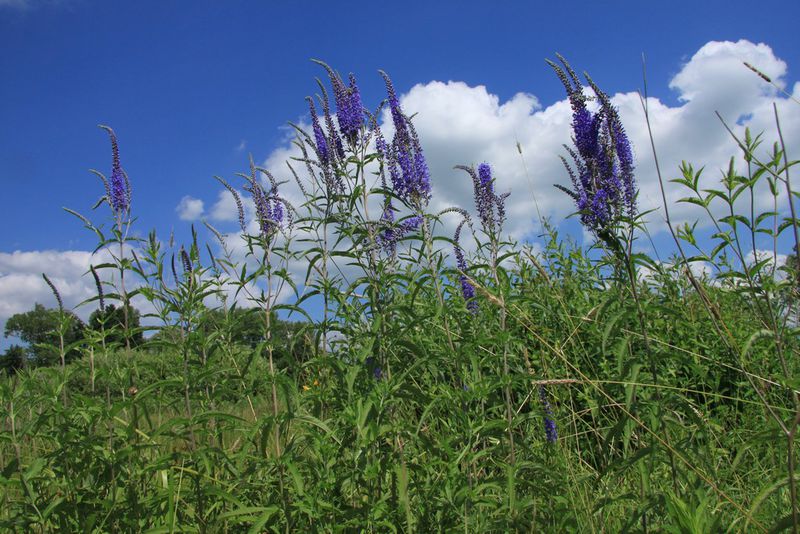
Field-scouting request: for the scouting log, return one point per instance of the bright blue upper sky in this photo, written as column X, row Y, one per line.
column 192, row 87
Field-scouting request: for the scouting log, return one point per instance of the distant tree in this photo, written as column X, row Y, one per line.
column 169, row 334
column 14, row 359
column 247, row 327
column 111, row 320
column 39, row 329
column 295, row 340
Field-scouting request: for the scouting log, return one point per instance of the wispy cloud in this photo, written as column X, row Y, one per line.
column 24, row 5
column 17, row 4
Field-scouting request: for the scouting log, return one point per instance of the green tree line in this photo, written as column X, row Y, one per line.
column 39, row 330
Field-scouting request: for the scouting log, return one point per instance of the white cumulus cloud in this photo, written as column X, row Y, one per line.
column 22, row 285
column 459, row 124
column 189, row 208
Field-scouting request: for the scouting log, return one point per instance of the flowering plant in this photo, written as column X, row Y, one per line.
column 603, row 185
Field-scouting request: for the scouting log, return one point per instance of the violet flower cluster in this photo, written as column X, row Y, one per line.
column 467, row 290
column 118, row 189
column 327, row 138
column 349, row 109
column 603, row 185
column 550, row 429
column 392, row 232
column 269, row 205
column 375, row 368
column 186, row 260
column 327, row 144
column 491, row 206
column 320, row 141
column 404, row 157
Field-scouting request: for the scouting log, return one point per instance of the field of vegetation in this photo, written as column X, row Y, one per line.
column 426, row 382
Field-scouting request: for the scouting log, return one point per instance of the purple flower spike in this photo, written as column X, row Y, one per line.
column 550, row 429
column 467, row 290
column 585, row 127
column 490, row 206
column 604, row 189
column 625, row 157
column 352, row 117
column 332, row 134
column 408, row 168
column 484, row 195
column 349, row 110
column 323, row 152
column 119, row 190
column 187, row 262
column 268, row 203
column 389, row 237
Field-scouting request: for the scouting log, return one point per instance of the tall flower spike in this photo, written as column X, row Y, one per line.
column 467, row 291
column 119, row 186
column 604, row 189
column 349, row 110
column 99, row 287
column 260, row 200
column 174, row 271
column 408, row 168
column 332, row 133
column 323, row 151
column 490, row 206
column 354, row 118
column 55, row 292
column 484, row 194
column 186, row 260
column 237, row 199
column 550, row 429
column 269, row 205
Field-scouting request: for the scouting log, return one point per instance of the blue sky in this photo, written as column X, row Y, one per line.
column 192, row 88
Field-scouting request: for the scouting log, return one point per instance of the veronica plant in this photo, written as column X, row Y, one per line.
column 603, row 184
column 334, row 186
column 404, row 157
column 273, row 216
column 467, row 289
column 117, row 196
column 491, row 213
column 349, row 109
column 490, row 207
